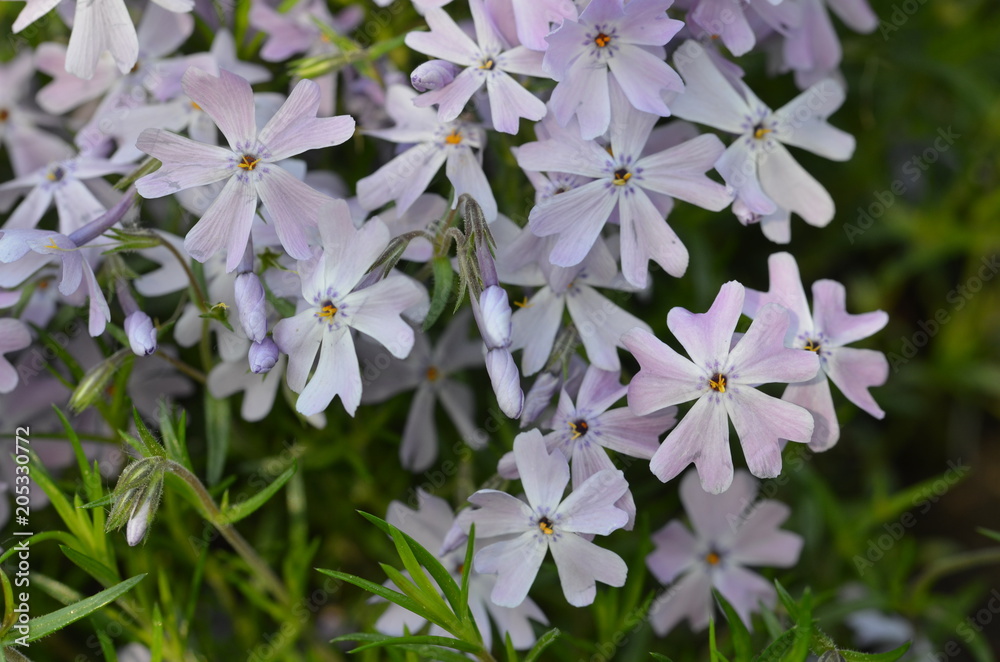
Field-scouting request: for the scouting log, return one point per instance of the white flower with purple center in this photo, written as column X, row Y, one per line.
column 488, row 62
column 249, row 165
column 549, row 522
column 825, row 332
column 722, row 377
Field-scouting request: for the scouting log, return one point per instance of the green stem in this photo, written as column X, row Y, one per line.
column 951, row 564
column 232, row 536
column 191, row 372
column 200, row 299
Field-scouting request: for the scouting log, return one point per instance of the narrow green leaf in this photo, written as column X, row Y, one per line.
column 396, row 597
column 787, row 600
column 737, row 628
column 776, row 651
column 156, row 648
column 99, row 571
column 444, row 279
column 463, row 596
column 217, row 429
column 509, row 648
column 107, row 646
column 446, row 642
column 543, row 642
column 888, row 656
column 803, row 628
column 174, row 437
column 76, row 521
column 411, row 564
column 237, row 512
column 431, row 602
column 153, row 446
column 989, row 533
column 49, row 623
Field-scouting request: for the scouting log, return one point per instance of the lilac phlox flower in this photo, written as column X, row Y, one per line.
column 249, row 166
column 812, row 49
column 433, row 144
column 429, row 525
column 430, row 373
column 554, row 379
column 583, row 432
column 768, row 182
column 99, row 26
column 616, row 40
column 488, row 62
column 730, row 531
column 722, row 377
column 825, row 332
column 259, row 390
column 14, row 336
column 627, row 181
column 65, row 183
column 739, row 25
column 549, row 522
column 332, row 307
column 24, row 252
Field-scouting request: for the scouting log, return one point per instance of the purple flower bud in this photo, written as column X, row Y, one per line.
column 250, row 304
column 495, row 322
column 141, row 333
column 263, row 355
column 433, row 75
column 506, row 381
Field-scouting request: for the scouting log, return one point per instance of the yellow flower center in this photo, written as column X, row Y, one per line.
column 523, row 303
column 488, row 64
column 327, row 311
column 453, row 138
column 195, row 106
column 621, row 176
column 579, row 429
column 602, row 40
column 718, row 382
column 712, row 558
column 760, row 132
column 432, row 374
column 248, row 162
column 812, row 346
column 545, row 525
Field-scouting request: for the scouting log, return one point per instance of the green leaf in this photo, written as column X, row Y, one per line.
column 463, row 596
column 888, row 656
column 543, row 642
column 99, row 571
column 989, row 533
column 46, row 625
column 396, row 597
column 429, row 639
column 509, row 648
column 237, row 512
column 787, row 600
column 444, row 283
column 150, row 443
column 737, row 628
column 217, row 430
column 776, row 651
column 174, row 437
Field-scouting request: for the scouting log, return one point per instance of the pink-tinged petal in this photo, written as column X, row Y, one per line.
column 802, row 122
column 487, row 35
column 375, row 311
column 543, row 475
column 76, row 205
column 599, row 390
column 744, row 590
column 833, row 320
column 761, row 421
column 294, row 206
column 300, row 338
column 98, row 27
column 583, row 92
column 665, row 377
column 675, row 550
column 100, row 312
column 516, row 563
column 739, row 168
column 690, row 597
column 643, row 77
column 857, row 14
column 337, row 373
column 403, row 179
column 418, row 447
column 31, row 149
column 186, row 163
column 452, row 98
column 532, row 18
column 27, row 214
column 577, row 157
column 33, row 10
column 14, row 336
column 346, row 262
column 226, row 224
column 702, row 437
column 228, row 100
column 814, row 396
column 635, row 436
column 601, row 325
column 854, row 371
column 760, row 541
column 680, row 173
column 534, row 329
column 509, row 102
column 708, row 336
column 785, row 290
column 445, row 41
column 523, row 61
column 708, row 97
column 459, row 403
column 630, row 128
column 581, row 564
column 716, row 518
column 726, row 19
column 72, row 273
column 498, row 514
column 466, row 174
column 777, row 226
column 645, row 235
column 576, row 217
column 590, row 509
column 760, row 356
column 645, row 23
column 295, row 128
column 562, row 48
column 162, row 32
column 590, row 459
column 790, row 186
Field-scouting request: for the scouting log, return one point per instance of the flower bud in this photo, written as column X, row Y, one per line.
column 263, row 355
column 495, row 317
column 141, row 333
column 251, row 305
column 506, row 381
column 136, row 498
column 433, row 75
column 94, row 384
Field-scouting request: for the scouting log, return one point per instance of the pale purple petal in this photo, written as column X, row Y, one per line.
column 498, row 514
column 27, row 214
column 716, row 517
column 14, row 336
column 418, row 448
column 453, row 97
column 186, row 163
column 509, row 102
column 300, row 338
column 521, row 60
column 583, row 92
column 534, row 329
column 601, row 325
column 708, row 336
column 790, row 186
column 665, row 377
column 99, row 27
column 854, row 371
column 599, row 390
column 738, row 167
column 726, row 19
column 295, row 128
column 744, row 590
column 226, row 224
column 814, row 396
column 702, row 437
column 680, row 173
column 228, row 100
column 543, row 475
column 760, row 356
column 376, row 311
column 337, row 373
column 577, row 157
column 466, row 174
column 690, row 597
column 294, row 206
column 577, row 217
column 802, row 121
column 645, row 236
column 445, row 41
column 402, row 179
column 347, row 261
column 643, row 78
column 582, row 564
column 759, row 541
column 786, row 290
column 675, row 548
column 761, row 421
column 516, row 563
column 635, row 436
column 833, row 320
column 708, row 97
column 590, row 507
